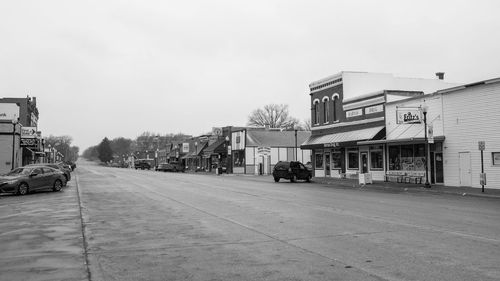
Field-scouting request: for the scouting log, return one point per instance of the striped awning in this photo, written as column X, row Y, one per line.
column 349, row 136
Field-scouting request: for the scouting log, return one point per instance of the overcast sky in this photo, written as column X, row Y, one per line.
column 119, row 68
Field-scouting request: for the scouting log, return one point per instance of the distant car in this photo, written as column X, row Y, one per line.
column 170, row 167
column 142, row 165
column 66, row 169
column 23, row 180
column 293, row 171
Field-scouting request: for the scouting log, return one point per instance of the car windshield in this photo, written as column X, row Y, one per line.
column 19, row 171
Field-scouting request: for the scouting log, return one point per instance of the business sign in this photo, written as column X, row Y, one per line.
column 430, row 133
column 28, row 132
column 409, row 115
column 9, row 111
column 185, row 147
column 30, row 143
column 374, row 109
column 354, row 113
column 264, row 150
column 34, row 120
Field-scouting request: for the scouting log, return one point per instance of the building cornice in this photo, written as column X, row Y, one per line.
column 352, row 123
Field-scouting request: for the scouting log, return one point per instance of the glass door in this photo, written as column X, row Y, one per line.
column 327, row 164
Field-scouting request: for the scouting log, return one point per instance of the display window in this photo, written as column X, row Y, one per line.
column 238, row 158
column 409, row 157
column 353, row 159
column 336, row 160
column 376, row 160
column 319, row 160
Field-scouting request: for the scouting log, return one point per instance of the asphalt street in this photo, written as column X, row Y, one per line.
column 123, row 224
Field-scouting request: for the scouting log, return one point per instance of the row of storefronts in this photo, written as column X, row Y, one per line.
column 428, row 132
column 20, row 141
column 240, row 150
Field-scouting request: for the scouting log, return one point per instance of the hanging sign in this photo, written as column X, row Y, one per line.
column 30, row 142
column 28, row 132
column 430, row 133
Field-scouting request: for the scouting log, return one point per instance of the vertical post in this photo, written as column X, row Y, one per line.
column 482, row 170
column 13, row 142
column 296, row 152
column 427, row 184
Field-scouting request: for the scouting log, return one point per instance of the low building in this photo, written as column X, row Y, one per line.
column 256, row 151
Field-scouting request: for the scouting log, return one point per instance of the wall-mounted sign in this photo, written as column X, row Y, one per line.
column 28, row 132
column 34, row 120
column 430, row 133
column 185, row 147
column 31, row 143
column 229, row 150
column 374, row 109
column 9, row 111
column 333, row 144
column 409, row 115
column 264, row 150
column 354, row 113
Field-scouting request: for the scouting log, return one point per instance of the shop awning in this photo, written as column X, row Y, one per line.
column 215, row 148
column 402, row 140
column 338, row 138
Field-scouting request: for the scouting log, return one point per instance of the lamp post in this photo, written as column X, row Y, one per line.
column 424, row 111
column 14, row 123
column 296, row 152
column 196, row 155
column 228, row 151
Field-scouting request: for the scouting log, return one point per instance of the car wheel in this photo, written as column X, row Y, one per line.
column 57, row 185
column 276, row 179
column 293, row 178
column 22, row 189
column 308, row 179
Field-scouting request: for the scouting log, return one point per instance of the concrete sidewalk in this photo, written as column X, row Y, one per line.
column 407, row 187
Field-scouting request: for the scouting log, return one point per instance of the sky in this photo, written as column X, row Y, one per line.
column 120, row 68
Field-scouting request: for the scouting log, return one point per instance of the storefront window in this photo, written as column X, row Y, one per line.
column 319, row 160
column 239, row 158
column 394, row 162
column 353, row 159
column 336, row 160
column 407, row 157
column 376, row 159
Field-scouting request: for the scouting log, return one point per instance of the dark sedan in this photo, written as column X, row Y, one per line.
column 170, row 167
column 23, row 180
column 58, row 166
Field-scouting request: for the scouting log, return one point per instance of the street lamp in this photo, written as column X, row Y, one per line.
column 228, row 151
column 424, row 111
column 296, row 152
column 14, row 123
column 196, row 155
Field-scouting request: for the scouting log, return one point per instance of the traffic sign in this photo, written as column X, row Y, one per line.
column 482, row 145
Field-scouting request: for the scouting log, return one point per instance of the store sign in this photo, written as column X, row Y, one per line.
column 30, row 142
column 374, row 109
column 332, row 144
column 9, row 111
column 264, row 150
column 28, row 132
column 354, row 113
column 185, row 147
column 409, row 115
column 430, row 133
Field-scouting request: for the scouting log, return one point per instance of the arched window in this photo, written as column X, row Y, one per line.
column 316, row 111
column 326, row 109
column 335, row 99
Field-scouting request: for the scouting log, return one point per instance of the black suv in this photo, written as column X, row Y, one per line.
column 142, row 165
column 292, row 171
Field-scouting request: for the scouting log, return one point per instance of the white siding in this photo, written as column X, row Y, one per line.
column 274, row 155
column 250, row 155
column 471, row 115
column 282, row 154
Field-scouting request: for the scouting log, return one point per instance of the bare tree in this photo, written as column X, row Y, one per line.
column 272, row 116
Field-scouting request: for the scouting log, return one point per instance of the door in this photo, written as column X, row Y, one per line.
column 364, row 162
column 465, row 169
column 37, row 179
column 327, row 164
column 438, row 160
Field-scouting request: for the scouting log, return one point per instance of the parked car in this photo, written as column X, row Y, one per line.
column 142, row 165
column 170, row 167
column 25, row 179
column 293, row 171
column 65, row 169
